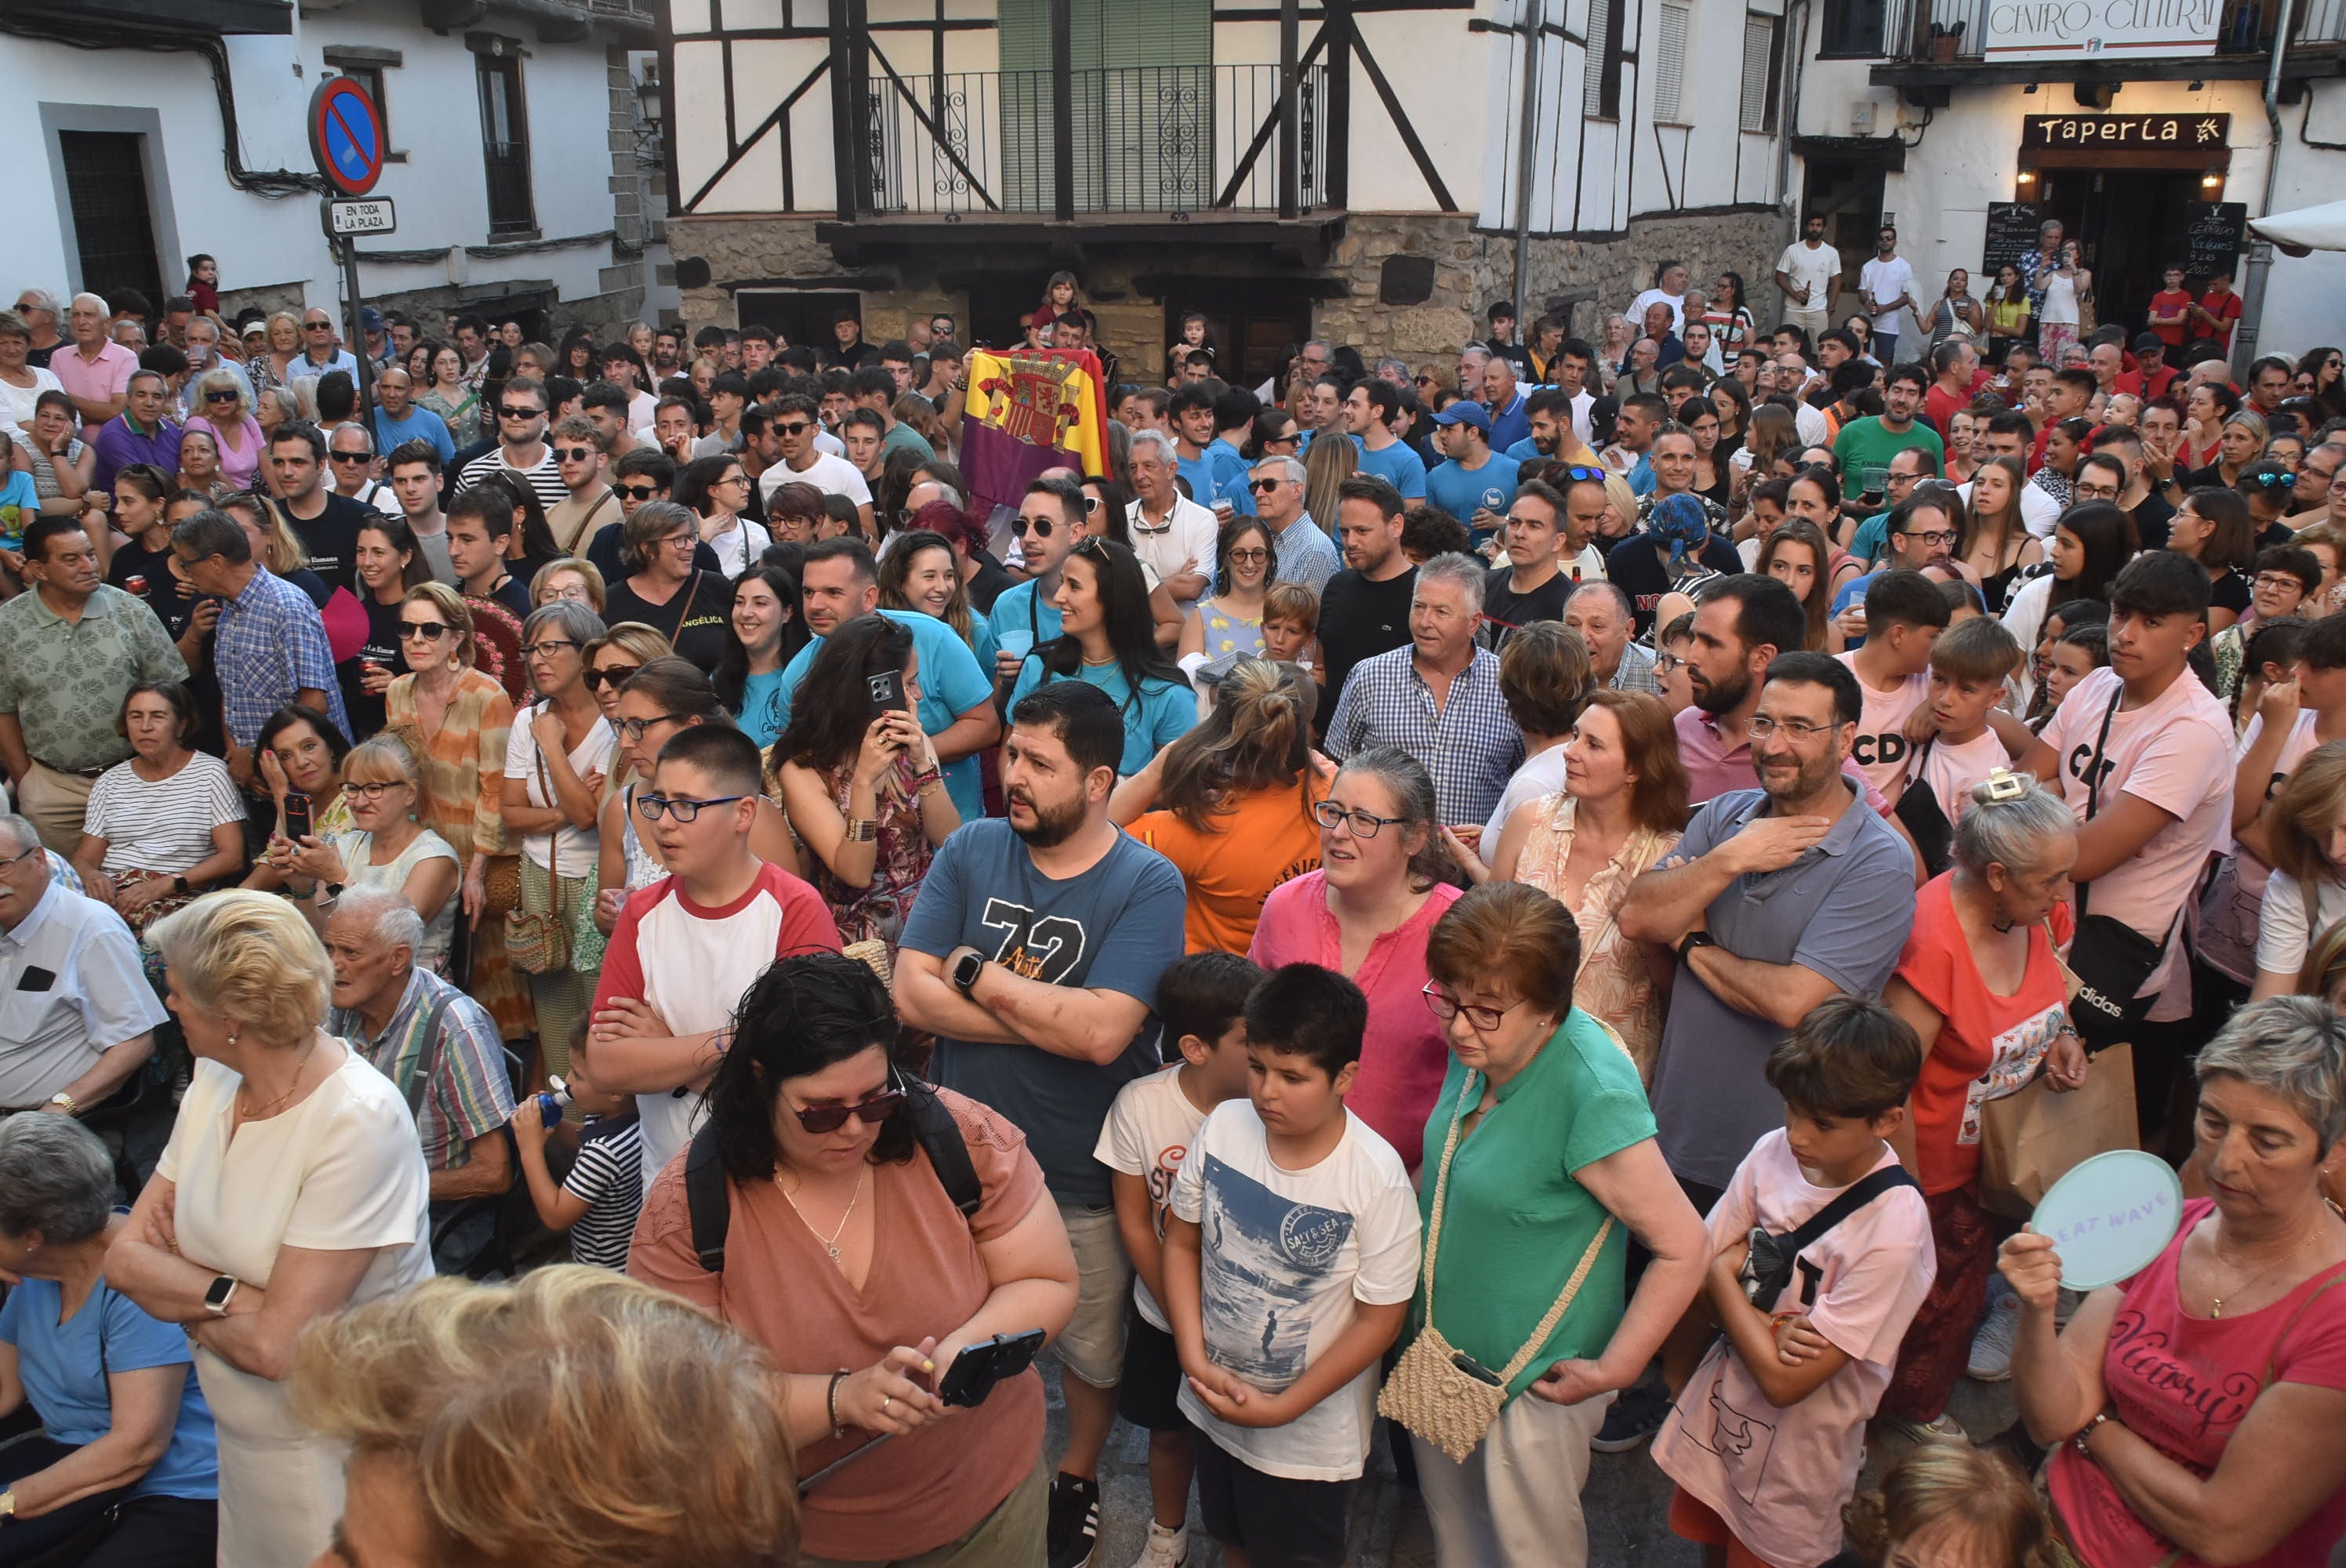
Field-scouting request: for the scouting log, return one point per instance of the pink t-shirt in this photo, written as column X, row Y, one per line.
column 2184, row 1384
column 1882, row 750
column 241, row 464
column 1403, row 1055
column 106, row 376
column 1778, row 1476
column 2175, row 753
column 1715, row 769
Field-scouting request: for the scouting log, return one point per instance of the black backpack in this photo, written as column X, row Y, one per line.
column 1767, row 1267
column 709, row 1198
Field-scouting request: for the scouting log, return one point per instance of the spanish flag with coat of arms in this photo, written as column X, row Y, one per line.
column 1028, row 410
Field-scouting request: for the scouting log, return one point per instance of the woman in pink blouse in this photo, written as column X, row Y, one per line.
column 1367, row 913
column 222, row 409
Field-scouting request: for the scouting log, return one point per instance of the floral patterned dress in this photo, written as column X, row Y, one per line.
column 1616, row 984
column 876, row 911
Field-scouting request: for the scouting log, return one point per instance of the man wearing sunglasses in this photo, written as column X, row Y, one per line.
column 796, row 422
column 1306, row 554
column 141, row 432
column 350, row 463
column 320, row 352
column 686, row 948
column 397, row 420
column 1033, row 954
column 521, row 449
column 590, row 505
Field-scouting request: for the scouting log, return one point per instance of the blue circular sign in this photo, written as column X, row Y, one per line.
column 346, row 135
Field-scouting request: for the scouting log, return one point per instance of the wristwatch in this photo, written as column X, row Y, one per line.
column 65, row 1103
column 966, row 971
column 1692, row 940
column 8, row 1504
column 179, row 887
column 218, row 1294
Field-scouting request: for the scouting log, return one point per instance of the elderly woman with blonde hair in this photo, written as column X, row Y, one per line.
column 293, row 1185
column 575, row 1419
column 220, row 406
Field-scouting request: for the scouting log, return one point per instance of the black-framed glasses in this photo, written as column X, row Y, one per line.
column 524, row 410
column 735, row 479
column 635, row 491
column 1795, row 731
column 351, row 456
column 1040, row 526
column 21, row 856
column 1446, row 1007
column 654, row 806
column 1668, row 663
column 1933, row 537
column 372, row 792
column 795, row 427
column 573, row 453
column 1363, row 824
column 549, row 647
column 633, row 730
column 687, row 537
column 430, row 631
column 611, row 675
column 316, row 326
column 830, row 1118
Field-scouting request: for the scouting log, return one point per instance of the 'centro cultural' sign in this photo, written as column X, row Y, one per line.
column 2068, row 29
column 2172, row 133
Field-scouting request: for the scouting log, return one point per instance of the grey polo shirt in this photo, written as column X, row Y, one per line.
column 1843, row 908
column 71, row 987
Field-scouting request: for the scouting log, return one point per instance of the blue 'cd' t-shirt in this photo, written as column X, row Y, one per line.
column 1154, row 719
column 1113, row 928
column 1397, row 463
column 765, row 707
column 950, row 685
column 1459, row 490
column 64, row 1367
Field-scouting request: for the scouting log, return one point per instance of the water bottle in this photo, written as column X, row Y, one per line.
column 550, row 1107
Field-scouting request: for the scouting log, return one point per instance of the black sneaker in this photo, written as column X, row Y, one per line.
column 1637, row 1413
column 1074, row 1530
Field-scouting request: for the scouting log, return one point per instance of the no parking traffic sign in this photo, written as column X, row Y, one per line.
column 346, row 135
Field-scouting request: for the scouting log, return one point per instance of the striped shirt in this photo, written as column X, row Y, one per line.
column 1637, row 672
column 545, row 479
column 609, row 1174
column 270, row 644
column 469, row 1091
column 164, row 826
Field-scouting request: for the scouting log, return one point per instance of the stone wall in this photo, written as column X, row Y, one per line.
column 1471, row 269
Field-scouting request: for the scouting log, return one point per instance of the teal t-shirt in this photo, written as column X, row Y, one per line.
column 950, row 685
column 1398, row 465
column 1022, row 619
column 1517, row 1222
column 1162, row 715
column 765, row 707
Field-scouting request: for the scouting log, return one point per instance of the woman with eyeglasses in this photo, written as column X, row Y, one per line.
column 448, row 395
column 1231, row 803
column 653, row 702
column 847, row 1258
column 225, row 413
column 556, row 759
column 717, row 491
column 166, row 822
column 1105, row 640
column 862, row 789
column 665, row 591
column 1227, row 623
column 389, row 563
column 458, row 720
column 761, row 636
column 384, row 847
column 1384, row 878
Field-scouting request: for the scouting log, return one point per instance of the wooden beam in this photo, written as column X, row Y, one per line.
column 1262, row 132
column 1290, row 149
column 843, row 111
column 1407, row 131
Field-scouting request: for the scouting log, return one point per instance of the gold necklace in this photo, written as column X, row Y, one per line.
column 2216, row 1303
column 831, row 1242
column 272, row 1105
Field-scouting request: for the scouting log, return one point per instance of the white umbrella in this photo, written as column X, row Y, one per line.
column 2306, row 229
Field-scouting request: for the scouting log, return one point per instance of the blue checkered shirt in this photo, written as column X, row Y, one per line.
column 1469, row 744
column 270, row 644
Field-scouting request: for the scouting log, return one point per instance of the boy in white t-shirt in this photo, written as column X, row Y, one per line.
column 1905, row 614
column 1767, row 1436
column 1201, row 999
column 1969, row 666
column 1290, row 1259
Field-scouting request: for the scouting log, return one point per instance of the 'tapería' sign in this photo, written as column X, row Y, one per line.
column 2170, row 133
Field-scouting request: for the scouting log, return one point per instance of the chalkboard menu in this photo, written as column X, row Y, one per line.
column 2214, row 234
column 2011, row 234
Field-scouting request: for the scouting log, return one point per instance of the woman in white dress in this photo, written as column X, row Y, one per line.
column 293, row 1185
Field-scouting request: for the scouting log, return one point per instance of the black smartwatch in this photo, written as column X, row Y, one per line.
column 1692, row 940
column 966, row 971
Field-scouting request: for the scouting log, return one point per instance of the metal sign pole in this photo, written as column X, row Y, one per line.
column 348, row 246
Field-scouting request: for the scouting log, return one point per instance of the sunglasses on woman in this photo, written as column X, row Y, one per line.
column 613, row 676
column 430, row 631
column 870, row 1111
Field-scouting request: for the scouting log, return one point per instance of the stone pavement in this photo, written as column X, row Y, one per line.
column 1627, row 1498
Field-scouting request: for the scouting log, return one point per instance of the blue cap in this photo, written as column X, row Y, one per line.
column 371, row 319
column 1466, row 411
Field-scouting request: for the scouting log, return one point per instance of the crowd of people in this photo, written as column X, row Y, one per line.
column 1492, row 903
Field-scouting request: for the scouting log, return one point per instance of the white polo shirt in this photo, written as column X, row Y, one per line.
column 71, row 987
column 1185, row 543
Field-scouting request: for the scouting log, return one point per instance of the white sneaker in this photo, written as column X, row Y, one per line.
column 1946, row 1426
column 1991, row 1357
column 1166, row 1548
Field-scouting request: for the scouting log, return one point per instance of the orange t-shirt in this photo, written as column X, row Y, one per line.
column 920, row 1492
column 1262, row 841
